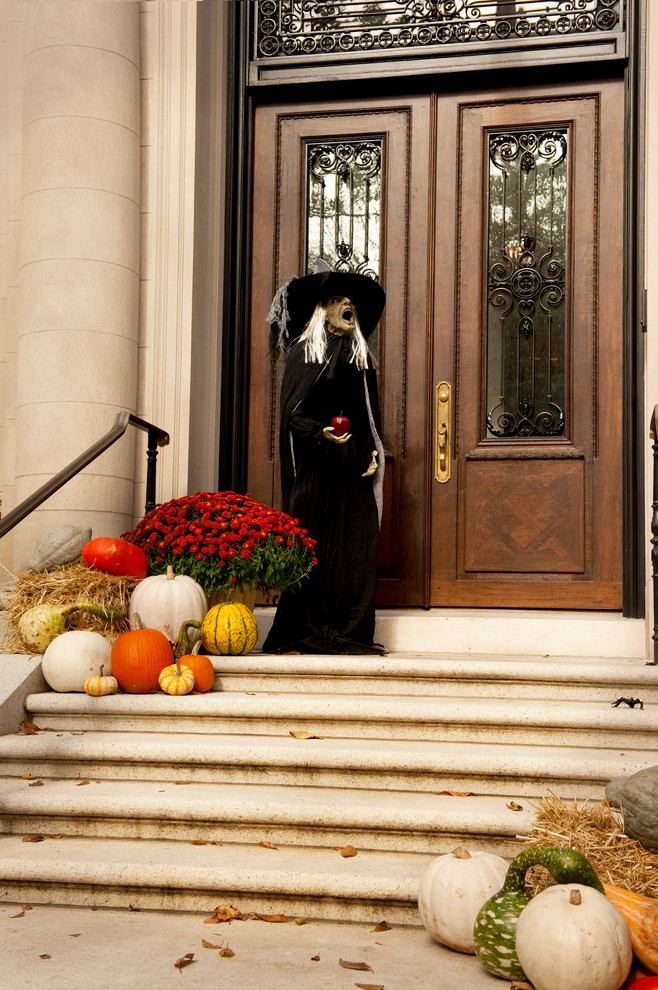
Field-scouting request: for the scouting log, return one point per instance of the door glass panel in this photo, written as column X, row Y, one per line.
column 343, row 209
column 526, row 322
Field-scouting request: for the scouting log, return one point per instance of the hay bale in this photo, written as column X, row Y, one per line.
column 597, row 831
column 69, row 585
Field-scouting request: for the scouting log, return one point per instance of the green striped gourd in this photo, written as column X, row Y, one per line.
column 494, row 933
column 229, row 629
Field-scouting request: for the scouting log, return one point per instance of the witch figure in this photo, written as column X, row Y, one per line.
column 332, row 459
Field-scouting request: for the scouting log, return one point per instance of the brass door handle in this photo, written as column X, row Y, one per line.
column 442, row 460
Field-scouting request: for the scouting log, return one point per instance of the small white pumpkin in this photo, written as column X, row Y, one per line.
column 571, row 937
column 453, row 889
column 73, row 657
column 166, row 601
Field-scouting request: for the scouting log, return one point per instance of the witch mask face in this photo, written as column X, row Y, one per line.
column 340, row 315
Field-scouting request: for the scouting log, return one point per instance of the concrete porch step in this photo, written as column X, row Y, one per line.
column 490, row 720
column 393, row 821
column 398, row 765
column 298, row 882
column 427, row 675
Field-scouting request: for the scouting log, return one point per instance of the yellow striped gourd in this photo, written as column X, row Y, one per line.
column 229, row 629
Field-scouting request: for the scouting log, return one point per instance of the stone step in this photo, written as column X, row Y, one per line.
column 321, row 817
column 167, row 875
column 396, row 765
column 425, row 675
column 564, row 723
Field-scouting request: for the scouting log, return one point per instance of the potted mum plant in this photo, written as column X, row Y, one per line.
column 226, row 541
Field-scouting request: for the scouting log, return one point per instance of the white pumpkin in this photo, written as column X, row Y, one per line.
column 165, row 601
column 571, row 937
column 453, row 889
column 73, row 657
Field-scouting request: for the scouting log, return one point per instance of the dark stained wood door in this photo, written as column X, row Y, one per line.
column 525, row 519
column 403, row 130
column 529, row 519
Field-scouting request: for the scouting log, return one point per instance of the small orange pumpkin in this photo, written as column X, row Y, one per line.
column 202, row 668
column 138, row 657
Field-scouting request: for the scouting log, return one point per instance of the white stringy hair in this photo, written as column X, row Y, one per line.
column 315, row 341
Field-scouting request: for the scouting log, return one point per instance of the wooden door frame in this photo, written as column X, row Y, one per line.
column 233, row 427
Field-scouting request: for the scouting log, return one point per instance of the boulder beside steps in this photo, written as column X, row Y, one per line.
column 176, row 803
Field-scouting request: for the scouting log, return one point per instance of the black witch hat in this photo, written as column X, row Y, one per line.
column 293, row 304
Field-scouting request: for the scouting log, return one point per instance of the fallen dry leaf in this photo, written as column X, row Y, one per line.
column 131, row 907
column 82, row 783
column 363, row 966
column 348, row 851
column 21, row 914
column 513, row 806
column 209, row 945
column 33, row 838
column 370, row 986
column 301, row 921
column 266, row 844
column 457, row 793
column 225, row 912
column 77, row 732
column 28, row 729
column 301, row 734
column 383, row 926
column 44, row 955
column 36, row 783
column 75, row 934
column 180, row 782
column 185, row 960
column 27, row 776
column 227, row 953
column 200, row 842
column 315, row 959
column 273, row 919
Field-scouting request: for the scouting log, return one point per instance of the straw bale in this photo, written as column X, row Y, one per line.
column 597, row 831
column 69, row 585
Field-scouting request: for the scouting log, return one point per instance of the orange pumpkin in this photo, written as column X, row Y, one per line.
column 138, row 657
column 202, row 668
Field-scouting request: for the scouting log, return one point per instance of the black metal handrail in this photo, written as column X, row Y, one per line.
column 653, row 433
column 156, row 438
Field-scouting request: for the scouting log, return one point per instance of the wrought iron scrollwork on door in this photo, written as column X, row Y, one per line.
column 527, row 284
column 343, row 208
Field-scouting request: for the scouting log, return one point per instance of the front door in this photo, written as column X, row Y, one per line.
column 494, row 221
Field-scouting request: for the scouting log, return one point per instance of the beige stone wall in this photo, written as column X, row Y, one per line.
column 74, row 310
column 111, row 251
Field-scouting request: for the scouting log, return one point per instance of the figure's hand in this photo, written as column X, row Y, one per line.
column 372, row 467
column 328, row 434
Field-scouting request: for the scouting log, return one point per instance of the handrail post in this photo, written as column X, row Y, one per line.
column 653, row 433
column 151, row 468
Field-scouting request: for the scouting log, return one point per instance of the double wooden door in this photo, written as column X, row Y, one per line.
column 499, row 228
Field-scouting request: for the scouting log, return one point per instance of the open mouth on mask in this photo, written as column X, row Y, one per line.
column 347, row 315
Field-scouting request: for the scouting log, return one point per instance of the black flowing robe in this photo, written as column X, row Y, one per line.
column 333, row 611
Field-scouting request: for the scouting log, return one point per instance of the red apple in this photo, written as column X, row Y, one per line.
column 341, row 425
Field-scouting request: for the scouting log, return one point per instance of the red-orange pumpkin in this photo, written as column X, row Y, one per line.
column 114, row 556
column 202, row 668
column 138, row 657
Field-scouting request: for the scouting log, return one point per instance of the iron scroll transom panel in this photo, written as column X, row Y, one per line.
column 299, row 36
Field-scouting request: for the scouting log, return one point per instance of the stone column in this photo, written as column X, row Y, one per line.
column 77, row 337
